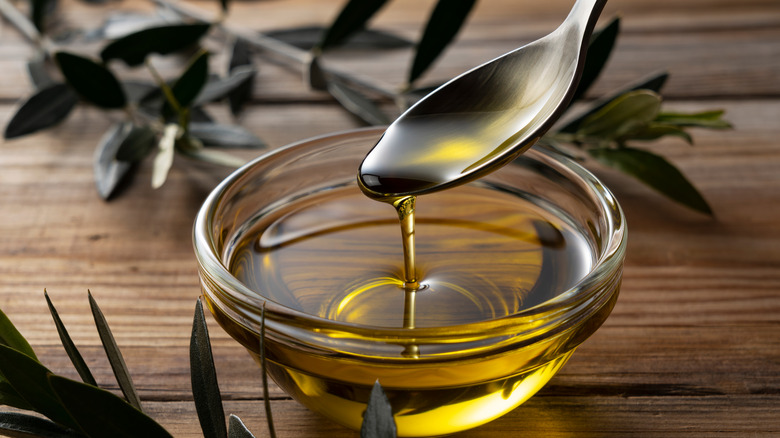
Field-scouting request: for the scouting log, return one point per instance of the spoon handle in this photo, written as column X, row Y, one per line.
column 584, row 14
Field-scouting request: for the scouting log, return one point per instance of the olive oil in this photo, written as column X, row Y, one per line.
column 482, row 253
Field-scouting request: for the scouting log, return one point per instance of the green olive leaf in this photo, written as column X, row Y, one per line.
column 9, row 396
column 44, row 109
column 627, row 112
column 11, row 337
column 137, row 145
column 17, row 425
column 30, row 380
column 134, row 48
column 70, row 347
column 653, row 82
column 115, row 357
column 192, row 81
column 444, row 23
column 237, row 428
column 356, row 103
column 706, row 119
column 600, row 47
column 92, row 81
column 229, row 136
column 100, row 413
column 240, row 61
column 352, row 18
column 654, row 171
column 107, row 170
column 378, row 419
column 654, row 131
column 205, row 389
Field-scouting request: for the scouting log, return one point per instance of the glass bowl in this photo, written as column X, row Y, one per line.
column 442, row 374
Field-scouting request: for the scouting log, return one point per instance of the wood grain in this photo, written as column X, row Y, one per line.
column 691, row 349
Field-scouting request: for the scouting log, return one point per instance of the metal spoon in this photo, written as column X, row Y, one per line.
column 484, row 118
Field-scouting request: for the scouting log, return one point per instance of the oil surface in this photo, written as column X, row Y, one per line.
column 481, row 254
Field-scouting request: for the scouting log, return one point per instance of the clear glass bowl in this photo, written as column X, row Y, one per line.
column 462, row 375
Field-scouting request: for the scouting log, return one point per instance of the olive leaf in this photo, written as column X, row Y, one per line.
column 30, row 380
column 191, row 82
column 213, row 157
column 241, row 61
column 378, row 419
column 653, row 82
column 352, row 18
column 134, row 48
column 137, row 144
column 230, row 136
column 10, row 336
column 237, row 429
column 444, row 23
column 164, row 158
column 705, row 119
column 220, row 88
column 115, row 357
column 39, row 74
column 39, row 9
column 205, row 389
column 356, row 103
column 92, row 81
column 630, row 111
column 100, row 413
column 599, row 48
column 45, row 108
column 9, row 396
column 654, row 171
column 654, row 131
column 70, row 347
column 307, row 37
column 224, row 4
column 316, row 76
column 14, row 424
column 107, row 171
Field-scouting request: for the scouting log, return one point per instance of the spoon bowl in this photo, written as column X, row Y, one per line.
column 484, row 118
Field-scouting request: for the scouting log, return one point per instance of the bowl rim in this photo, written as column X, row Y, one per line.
column 564, row 306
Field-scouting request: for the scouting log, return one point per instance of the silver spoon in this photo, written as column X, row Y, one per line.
column 484, row 118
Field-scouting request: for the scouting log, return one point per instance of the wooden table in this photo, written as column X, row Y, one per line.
column 691, row 349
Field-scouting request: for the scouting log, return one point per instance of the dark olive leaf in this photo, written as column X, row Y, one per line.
column 137, row 145
column 100, row 413
column 307, row 37
column 654, row 171
column 237, row 429
column 39, row 73
column 29, row 378
column 241, row 59
column 43, row 109
column 224, row 4
column 134, row 48
column 205, row 389
column 444, row 23
column 92, row 81
column 16, row 425
column 229, row 136
column 11, row 337
column 600, row 47
column 356, row 103
column 220, row 88
column 317, row 78
column 352, row 18
column 70, row 347
column 108, row 171
column 9, row 396
column 264, row 372
column 626, row 113
column 189, row 84
column 653, row 82
column 39, row 10
column 654, row 131
column 115, row 357
column 378, row 419
column 707, row 119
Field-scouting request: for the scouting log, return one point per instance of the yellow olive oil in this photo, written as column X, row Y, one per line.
column 482, row 253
